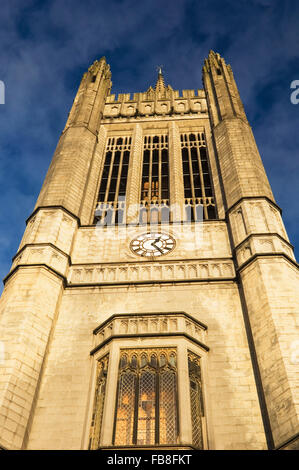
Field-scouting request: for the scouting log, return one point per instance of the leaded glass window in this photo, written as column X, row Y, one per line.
column 198, row 190
column 196, row 398
column 111, row 199
column 98, row 407
column 146, row 409
column 155, row 180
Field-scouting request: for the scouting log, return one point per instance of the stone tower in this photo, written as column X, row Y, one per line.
column 152, row 300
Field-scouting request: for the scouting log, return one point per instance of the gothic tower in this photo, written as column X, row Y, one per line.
column 152, row 300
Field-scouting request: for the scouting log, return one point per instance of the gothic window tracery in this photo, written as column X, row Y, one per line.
column 111, row 199
column 198, row 190
column 196, row 398
column 146, row 410
column 155, row 180
column 145, row 386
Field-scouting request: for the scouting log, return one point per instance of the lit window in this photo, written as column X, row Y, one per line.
column 197, row 409
column 146, row 411
column 149, row 388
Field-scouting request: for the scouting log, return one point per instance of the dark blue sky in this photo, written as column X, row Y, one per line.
column 47, row 45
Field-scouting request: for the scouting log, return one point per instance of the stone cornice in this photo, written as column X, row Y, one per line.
column 147, row 315
column 156, row 117
column 267, row 255
column 37, row 245
column 248, row 198
column 26, row 266
column 263, row 234
column 177, row 324
column 53, row 207
column 151, row 272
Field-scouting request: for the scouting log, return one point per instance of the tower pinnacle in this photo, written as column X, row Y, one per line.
column 160, row 85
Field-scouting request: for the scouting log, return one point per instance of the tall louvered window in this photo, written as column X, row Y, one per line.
column 111, row 199
column 196, row 398
column 198, row 190
column 155, row 180
column 146, row 409
column 97, row 414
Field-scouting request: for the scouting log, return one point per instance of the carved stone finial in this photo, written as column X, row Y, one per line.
column 95, row 67
column 160, row 85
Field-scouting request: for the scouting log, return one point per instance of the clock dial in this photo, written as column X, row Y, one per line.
column 152, row 244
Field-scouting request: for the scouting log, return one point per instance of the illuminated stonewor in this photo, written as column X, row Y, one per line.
column 152, row 300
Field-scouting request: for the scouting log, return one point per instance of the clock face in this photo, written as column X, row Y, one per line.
column 152, row 244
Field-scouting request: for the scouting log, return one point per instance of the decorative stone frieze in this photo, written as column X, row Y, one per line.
column 147, row 324
column 260, row 244
column 150, row 103
column 42, row 254
column 144, row 272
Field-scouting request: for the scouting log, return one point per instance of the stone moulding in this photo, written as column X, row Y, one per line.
column 150, row 325
column 197, row 105
column 140, row 272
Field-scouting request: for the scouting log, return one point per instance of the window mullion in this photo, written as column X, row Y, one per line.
column 116, row 208
column 150, row 182
column 157, row 404
column 119, row 175
column 191, row 179
column 136, row 405
column 159, row 178
column 109, row 175
column 203, row 192
column 116, row 409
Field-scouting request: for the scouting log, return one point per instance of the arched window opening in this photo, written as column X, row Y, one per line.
column 155, row 177
column 146, row 411
column 198, row 191
column 110, row 208
column 196, row 398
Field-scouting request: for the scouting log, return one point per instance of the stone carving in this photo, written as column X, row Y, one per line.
column 277, row 221
column 266, row 245
column 96, row 66
column 151, row 272
column 143, row 107
column 67, row 220
column 245, row 253
column 258, row 218
column 151, row 324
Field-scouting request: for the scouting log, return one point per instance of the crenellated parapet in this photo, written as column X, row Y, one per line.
column 168, row 102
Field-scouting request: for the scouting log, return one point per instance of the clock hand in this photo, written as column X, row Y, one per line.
column 154, row 244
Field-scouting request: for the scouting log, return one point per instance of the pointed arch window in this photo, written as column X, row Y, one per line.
column 155, row 180
column 146, row 391
column 196, row 398
column 111, row 198
column 146, row 409
column 198, row 188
